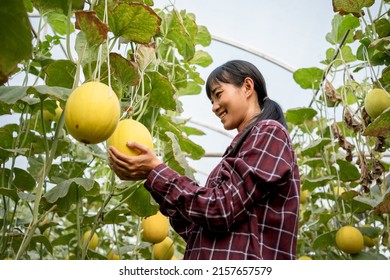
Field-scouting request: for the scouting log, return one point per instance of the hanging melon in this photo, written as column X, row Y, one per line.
column 92, row 112
column 129, row 130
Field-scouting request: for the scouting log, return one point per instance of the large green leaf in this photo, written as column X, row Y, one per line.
column 298, row 116
column 380, row 126
column 316, row 147
column 182, row 31
column 115, row 217
column 201, row 58
column 124, row 70
column 11, row 193
column 59, row 22
column 139, row 200
column 135, row 22
column 16, row 36
column 203, row 37
column 69, row 192
column 324, row 241
column 43, row 240
column 175, row 157
column 341, row 25
column 345, row 56
column 23, row 180
column 6, row 142
column 58, row 5
column 308, row 78
column 162, row 94
column 354, row 7
column 347, row 171
column 18, row 178
column 60, row 73
column 192, row 149
column 311, row 184
column 96, row 32
column 12, row 94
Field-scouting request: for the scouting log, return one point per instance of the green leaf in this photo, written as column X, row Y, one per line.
column 382, row 27
column 60, row 73
column 380, row 126
column 96, row 32
column 316, row 147
column 348, row 171
column 340, row 26
column 175, row 157
column 182, row 31
column 311, row 184
column 69, row 192
column 56, row 93
column 12, row 94
column 125, row 71
column 201, row 58
column 135, row 22
column 63, row 239
column 6, row 143
column 355, row 7
column 162, row 94
column 203, row 37
column 43, row 240
column 308, row 78
column 16, row 36
column 139, row 201
column 370, row 231
column 23, row 180
column 11, row 193
column 298, row 116
column 191, row 88
column 45, row 6
column 115, row 217
column 385, row 78
column 324, row 241
column 59, row 23
column 314, row 162
column 167, row 125
column 346, row 56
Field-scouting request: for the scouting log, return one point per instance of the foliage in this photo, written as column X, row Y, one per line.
column 149, row 56
column 345, row 148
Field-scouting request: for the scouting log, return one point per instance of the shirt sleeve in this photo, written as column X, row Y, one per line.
column 263, row 163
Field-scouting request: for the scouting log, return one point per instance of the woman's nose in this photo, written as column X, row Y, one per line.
column 215, row 106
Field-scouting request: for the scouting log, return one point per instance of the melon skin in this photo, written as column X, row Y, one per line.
column 376, row 101
column 129, row 130
column 92, row 113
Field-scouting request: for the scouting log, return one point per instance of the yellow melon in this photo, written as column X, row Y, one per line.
column 92, row 112
column 129, row 130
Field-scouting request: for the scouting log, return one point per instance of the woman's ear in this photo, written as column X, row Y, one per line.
column 248, row 86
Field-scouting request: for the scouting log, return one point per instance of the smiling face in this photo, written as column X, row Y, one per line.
column 235, row 106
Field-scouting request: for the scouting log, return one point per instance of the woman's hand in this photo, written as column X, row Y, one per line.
column 133, row 167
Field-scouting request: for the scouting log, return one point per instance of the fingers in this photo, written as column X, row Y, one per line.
column 132, row 167
column 137, row 146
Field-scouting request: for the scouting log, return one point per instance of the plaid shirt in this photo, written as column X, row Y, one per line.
column 248, row 208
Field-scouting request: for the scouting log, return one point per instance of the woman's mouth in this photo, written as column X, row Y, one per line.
column 222, row 115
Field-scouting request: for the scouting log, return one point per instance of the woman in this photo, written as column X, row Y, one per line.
column 248, row 208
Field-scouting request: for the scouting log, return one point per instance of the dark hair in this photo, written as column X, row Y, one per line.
column 234, row 72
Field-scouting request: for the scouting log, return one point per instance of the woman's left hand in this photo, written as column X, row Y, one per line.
column 133, row 167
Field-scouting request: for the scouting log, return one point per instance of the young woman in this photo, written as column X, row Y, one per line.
column 248, row 208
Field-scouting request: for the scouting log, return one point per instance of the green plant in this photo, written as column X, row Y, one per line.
column 339, row 146
column 149, row 57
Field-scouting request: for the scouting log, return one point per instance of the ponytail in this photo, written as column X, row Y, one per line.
column 271, row 110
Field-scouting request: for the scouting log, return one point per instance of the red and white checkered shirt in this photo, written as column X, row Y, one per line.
column 248, row 208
